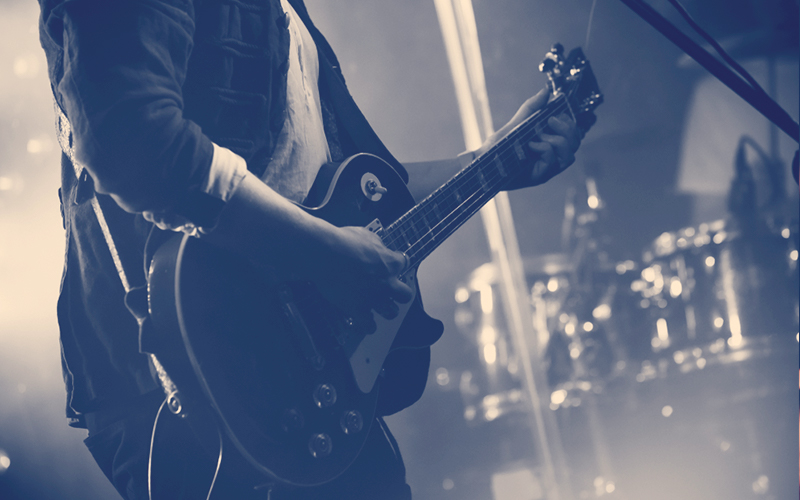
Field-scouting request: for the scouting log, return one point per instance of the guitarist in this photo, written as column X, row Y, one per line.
column 211, row 117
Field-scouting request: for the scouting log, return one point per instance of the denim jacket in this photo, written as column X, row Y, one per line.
column 147, row 86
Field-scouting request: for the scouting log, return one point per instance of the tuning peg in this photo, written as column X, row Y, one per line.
column 547, row 65
column 552, row 66
column 553, row 60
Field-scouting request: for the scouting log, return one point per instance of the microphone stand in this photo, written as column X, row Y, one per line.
column 759, row 100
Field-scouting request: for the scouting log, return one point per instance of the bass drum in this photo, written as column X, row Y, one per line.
column 703, row 294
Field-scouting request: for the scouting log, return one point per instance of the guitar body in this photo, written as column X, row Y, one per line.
column 290, row 379
column 273, row 360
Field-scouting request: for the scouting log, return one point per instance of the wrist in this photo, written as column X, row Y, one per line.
column 466, row 158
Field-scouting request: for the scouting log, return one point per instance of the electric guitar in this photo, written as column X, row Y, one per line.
column 292, row 381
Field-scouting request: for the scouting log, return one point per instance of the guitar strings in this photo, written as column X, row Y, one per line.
column 500, row 145
column 494, row 178
column 423, row 248
column 468, row 176
column 451, row 224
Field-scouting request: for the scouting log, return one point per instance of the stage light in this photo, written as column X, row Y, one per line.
column 5, row 462
column 602, row 312
column 26, row 66
column 488, row 335
column 490, row 353
column 487, row 299
column 761, row 485
column 663, row 332
column 35, row 146
column 442, row 376
column 735, row 341
column 675, row 288
column 558, row 397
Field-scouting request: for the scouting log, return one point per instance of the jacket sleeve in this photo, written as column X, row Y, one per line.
column 124, row 64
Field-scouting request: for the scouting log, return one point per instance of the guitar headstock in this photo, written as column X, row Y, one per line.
column 573, row 77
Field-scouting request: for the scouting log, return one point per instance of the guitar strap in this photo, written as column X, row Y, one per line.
column 64, row 133
column 132, row 293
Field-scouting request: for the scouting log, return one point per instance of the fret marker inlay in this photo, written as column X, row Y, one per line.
column 482, row 178
column 499, row 164
column 519, row 150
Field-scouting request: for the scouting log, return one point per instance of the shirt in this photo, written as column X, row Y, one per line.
column 150, row 86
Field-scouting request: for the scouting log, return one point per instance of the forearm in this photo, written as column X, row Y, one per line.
column 259, row 224
column 427, row 176
column 350, row 266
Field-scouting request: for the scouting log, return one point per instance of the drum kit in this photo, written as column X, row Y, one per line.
column 707, row 317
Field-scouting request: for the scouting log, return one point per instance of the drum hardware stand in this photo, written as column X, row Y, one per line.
column 457, row 21
column 577, row 231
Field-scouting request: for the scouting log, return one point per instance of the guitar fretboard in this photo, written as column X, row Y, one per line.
column 423, row 228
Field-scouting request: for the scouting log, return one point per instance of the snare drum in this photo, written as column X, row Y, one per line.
column 711, row 285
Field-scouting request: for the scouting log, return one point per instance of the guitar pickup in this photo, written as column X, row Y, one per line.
column 301, row 332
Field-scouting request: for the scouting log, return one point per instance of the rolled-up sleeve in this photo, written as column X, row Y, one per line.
column 124, row 64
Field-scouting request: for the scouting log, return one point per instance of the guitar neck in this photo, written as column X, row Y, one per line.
column 426, row 226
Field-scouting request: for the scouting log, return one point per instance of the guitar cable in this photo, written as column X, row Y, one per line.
column 219, row 463
column 150, row 456
column 589, row 26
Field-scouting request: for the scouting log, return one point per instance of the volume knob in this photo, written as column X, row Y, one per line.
column 320, row 445
column 325, row 395
column 352, row 422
